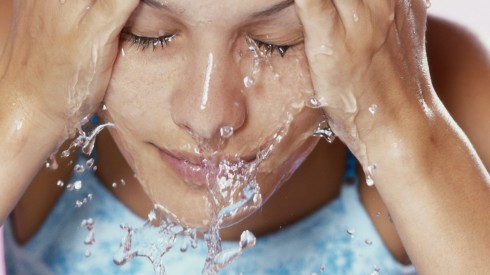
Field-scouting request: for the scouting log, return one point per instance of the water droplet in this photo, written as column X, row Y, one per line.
column 376, row 270
column 19, row 125
column 226, row 131
column 248, row 81
column 123, row 53
column 90, row 163
column 351, row 232
column 428, row 3
column 104, row 107
column 247, row 239
column 123, row 182
column 378, row 214
column 368, row 242
column 78, row 204
column 95, row 168
column 79, row 169
column 323, row 49
column 322, row 268
column 77, row 185
column 369, row 176
column 369, row 181
column 114, row 185
column 373, row 109
column 65, row 153
column 355, row 16
column 313, row 102
column 51, row 162
column 88, row 253
column 277, row 76
column 326, row 133
column 60, row 183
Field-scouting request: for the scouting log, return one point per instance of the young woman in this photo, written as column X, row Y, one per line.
column 190, row 87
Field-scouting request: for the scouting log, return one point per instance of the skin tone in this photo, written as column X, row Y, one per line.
column 414, row 135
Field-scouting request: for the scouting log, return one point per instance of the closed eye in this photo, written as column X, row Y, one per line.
column 271, row 48
column 146, row 42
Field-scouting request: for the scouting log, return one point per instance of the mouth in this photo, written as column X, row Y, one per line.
column 197, row 170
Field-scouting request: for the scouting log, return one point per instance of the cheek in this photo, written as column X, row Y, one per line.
column 138, row 97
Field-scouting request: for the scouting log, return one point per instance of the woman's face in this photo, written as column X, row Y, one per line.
column 196, row 86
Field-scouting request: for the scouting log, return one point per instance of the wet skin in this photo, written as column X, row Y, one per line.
column 156, row 107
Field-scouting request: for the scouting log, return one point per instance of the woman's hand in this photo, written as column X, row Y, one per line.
column 368, row 53
column 367, row 61
column 58, row 59
column 54, row 72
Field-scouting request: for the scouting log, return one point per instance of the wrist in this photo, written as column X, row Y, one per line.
column 25, row 124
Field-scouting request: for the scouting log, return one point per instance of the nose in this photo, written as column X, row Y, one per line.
column 211, row 101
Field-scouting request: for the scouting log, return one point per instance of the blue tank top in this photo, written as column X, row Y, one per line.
column 339, row 238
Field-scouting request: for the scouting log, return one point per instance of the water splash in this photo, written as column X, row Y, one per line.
column 84, row 141
column 89, row 224
column 154, row 239
column 233, row 191
column 323, row 130
column 225, row 257
column 77, row 185
column 84, row 201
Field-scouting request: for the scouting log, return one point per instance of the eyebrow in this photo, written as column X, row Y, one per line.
column 274, row 9
column 267, row 12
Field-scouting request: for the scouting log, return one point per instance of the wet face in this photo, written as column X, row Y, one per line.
column 202, row 83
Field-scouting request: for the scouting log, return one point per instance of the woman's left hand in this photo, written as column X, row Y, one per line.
column 368, row 64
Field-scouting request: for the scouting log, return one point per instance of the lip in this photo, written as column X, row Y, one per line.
column 191, row 168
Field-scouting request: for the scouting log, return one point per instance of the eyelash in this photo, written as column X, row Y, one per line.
column 145, row 42
column 271, row 48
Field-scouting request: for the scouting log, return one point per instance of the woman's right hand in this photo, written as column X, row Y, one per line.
column 58, row 59
column 54, row 71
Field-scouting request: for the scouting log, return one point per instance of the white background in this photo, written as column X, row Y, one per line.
column 474, row 14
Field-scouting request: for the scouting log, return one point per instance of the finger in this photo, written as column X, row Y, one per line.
column 322, row 29
column 350, row 11
column 106, row 13
column 319, row 18
column 324, row 35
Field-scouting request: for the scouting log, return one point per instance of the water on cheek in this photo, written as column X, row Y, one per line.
column 233, row 187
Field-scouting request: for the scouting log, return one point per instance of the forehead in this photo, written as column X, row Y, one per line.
column 220, row 9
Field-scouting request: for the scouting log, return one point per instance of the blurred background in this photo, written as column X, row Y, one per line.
column 474, row 14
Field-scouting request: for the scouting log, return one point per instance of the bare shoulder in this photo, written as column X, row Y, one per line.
column 460, row 70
